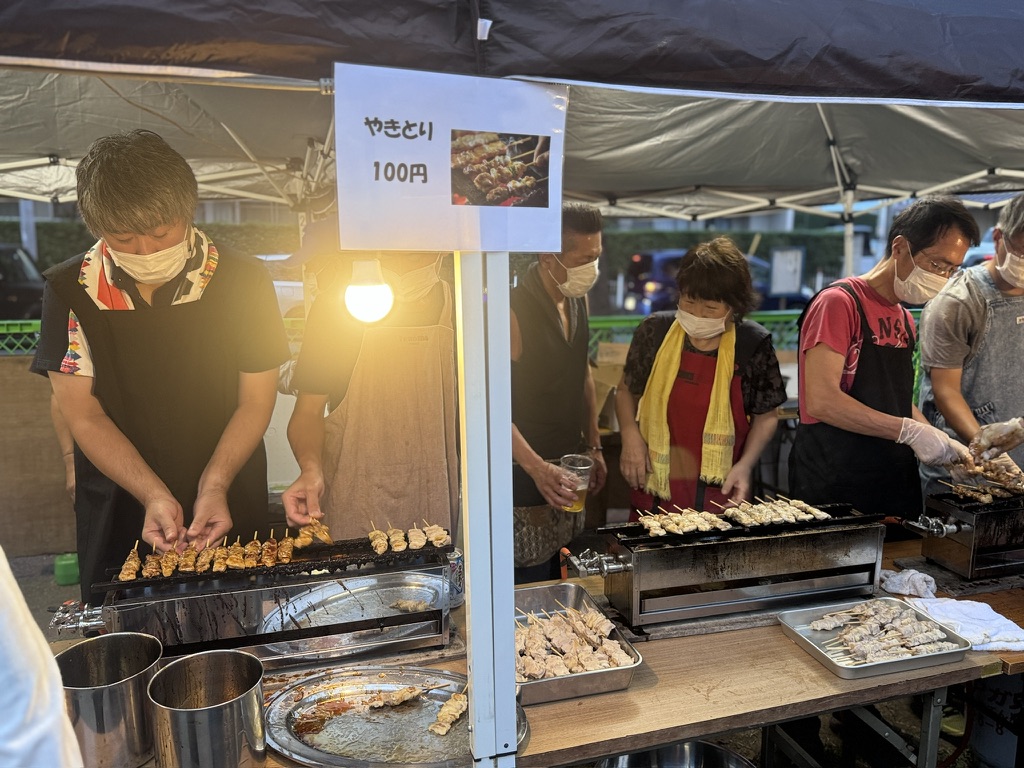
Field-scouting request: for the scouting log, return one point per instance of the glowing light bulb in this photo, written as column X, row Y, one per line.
column 368, row 298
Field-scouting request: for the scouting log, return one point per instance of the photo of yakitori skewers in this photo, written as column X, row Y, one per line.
column 495, row 169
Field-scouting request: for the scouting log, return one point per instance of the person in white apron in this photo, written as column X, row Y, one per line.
column 385, row 453
column 971, row 335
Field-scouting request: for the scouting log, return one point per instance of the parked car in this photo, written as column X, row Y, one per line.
column 982, row 252
column 21, row 285
column 651, row 283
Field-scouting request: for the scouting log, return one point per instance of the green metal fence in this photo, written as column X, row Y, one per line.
column 18, row 337
column 619, row 328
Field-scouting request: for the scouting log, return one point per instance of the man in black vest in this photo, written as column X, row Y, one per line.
column 554, row 410
column 163, row 354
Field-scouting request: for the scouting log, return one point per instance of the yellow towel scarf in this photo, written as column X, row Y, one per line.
column 719, row 428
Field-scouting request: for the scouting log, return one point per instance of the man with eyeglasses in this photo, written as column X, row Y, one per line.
column 860, row 436
column 972, row 335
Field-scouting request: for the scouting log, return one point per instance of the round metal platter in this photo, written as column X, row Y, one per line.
column 375, row 738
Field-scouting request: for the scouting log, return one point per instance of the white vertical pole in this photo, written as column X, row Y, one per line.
column 27, row 219
column 485, row 402
column 849, row 266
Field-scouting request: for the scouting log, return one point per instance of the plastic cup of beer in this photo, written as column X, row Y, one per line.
column 579, row 467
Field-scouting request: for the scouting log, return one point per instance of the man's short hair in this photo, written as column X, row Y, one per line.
column 1011, row 217
column 134, row 182
column 718, row 271
column 928, row 220
column 581, row 219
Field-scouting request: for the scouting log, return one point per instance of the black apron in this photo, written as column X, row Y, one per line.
column 548, row 406
column 167, row 377
column 875, row 475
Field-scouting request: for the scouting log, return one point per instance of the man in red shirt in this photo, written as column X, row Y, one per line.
column 860, row 435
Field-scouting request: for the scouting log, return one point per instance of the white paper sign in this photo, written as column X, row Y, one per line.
column 429, row 161
column 787, row 270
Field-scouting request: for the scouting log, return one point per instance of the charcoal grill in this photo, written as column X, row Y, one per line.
column 331, row 601
column 973, row 539
column 650, row 580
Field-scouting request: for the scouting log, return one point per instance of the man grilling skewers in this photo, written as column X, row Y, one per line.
column 388, row 438
column 162, row 353
column 860, row 436
column 969, row 333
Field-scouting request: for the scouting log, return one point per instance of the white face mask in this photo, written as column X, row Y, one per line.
column 701, row 327
column 578, row 280
column 919, row 287
column 1011, row 269
column 414, row 285
column 154, row 268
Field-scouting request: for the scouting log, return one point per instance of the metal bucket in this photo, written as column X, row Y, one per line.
column 686, row 754
column 105, row 680
column 208, row 711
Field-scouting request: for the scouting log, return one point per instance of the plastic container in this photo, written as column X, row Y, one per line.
column 65, row 569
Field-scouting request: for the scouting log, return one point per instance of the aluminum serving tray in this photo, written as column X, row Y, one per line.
column 796, row 625
column 556, row 599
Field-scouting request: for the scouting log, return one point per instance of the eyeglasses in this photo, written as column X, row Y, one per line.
column 938, row 268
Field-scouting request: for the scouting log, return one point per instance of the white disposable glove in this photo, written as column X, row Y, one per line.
column 994, row 439
column 932, row 446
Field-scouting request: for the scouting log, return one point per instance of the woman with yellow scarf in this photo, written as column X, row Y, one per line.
column 696, row 404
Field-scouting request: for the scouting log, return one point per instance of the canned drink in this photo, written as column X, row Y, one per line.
column 456, row 578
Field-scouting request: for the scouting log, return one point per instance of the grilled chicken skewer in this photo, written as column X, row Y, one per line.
column 131, row 566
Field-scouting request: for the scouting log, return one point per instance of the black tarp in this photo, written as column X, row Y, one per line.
column 945, row 50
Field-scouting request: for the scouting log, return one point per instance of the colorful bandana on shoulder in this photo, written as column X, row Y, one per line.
column 96, row 275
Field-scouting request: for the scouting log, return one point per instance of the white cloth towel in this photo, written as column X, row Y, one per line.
column 977, row 622
column 908, row 582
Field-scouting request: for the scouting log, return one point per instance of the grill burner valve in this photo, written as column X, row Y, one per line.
column 589, row 563
column 73, row 618
column 934, row 526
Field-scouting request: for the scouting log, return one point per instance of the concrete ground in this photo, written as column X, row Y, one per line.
column 42, row 593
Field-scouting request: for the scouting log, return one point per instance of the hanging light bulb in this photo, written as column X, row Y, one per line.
column 368, row 297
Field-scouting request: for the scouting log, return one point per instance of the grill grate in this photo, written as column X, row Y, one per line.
column 339, row 556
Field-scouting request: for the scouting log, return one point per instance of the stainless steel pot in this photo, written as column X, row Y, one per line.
column 105, row 680
column 686, row 754
column 208, row 711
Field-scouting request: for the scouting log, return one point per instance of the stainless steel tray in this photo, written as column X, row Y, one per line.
column 350, row 599
column 551, row 599
column 795, row 625
column 378, row 738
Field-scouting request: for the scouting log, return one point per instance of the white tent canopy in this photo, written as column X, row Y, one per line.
column 636, row 151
